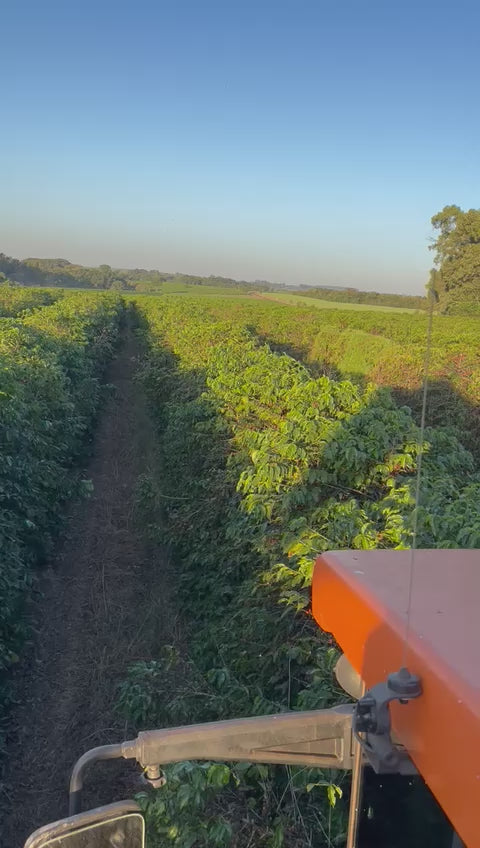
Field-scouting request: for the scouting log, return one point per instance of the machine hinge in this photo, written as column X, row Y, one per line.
column 372, row 724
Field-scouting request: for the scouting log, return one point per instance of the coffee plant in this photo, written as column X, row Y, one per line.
column 50, row 388
column 385, row 349
column 14, row 300
column 266, row 465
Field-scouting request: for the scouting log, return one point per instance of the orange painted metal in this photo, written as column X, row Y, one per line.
column 361, row 597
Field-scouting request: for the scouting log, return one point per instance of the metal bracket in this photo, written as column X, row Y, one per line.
column 372, row 719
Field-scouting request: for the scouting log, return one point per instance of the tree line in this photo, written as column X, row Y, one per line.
column 61, row 272
column 454, row 281
column 57, row 272
column 369, row 298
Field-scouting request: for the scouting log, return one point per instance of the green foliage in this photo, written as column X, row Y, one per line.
column 197, row 801
column 367, row 298
column 51, row 361
column 384, row 349
column 61, row 272
column 183, row 813
column 306, row 300
column 15, row 300
column 264, row 467
column 456, row 280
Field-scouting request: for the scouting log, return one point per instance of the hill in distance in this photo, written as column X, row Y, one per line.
column 61, row 272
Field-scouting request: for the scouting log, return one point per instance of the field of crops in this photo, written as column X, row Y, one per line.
column 293, row 299
column 51, row 361
column 265, row 465
column 383, row 349
column 282, row 432
column 14, row 301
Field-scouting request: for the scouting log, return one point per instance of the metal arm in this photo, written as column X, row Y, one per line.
column 321, row 738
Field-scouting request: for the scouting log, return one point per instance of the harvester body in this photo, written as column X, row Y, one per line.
column 424, row 718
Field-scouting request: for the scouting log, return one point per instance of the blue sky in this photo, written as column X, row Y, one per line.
column 299, row 141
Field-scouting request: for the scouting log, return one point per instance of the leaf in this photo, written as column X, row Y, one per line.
column 218, row 774
column 278, row 836
column 332, row 792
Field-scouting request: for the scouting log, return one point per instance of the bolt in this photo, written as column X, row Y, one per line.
column 154, row 776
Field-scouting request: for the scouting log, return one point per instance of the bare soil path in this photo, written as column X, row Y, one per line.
column 103, row 604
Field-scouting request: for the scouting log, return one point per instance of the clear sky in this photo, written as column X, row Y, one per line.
column 295, row 140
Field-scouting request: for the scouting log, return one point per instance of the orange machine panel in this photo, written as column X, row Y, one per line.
column 362, row 598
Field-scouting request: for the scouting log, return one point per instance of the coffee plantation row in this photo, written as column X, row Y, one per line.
column 52, row 360
column 385, row 349
column 269, row 455
column 266, row 465
column 15, row 300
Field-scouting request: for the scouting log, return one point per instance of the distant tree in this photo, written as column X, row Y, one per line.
column 106, row 275
column 455, row 280
column 119, row 284
column 8, row 266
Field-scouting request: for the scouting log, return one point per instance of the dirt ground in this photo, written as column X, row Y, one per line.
column 103, row 603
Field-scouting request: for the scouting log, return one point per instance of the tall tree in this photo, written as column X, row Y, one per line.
column 106, row 275
column 455, row 280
